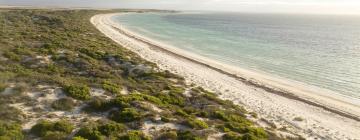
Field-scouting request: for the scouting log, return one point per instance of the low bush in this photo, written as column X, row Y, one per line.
column 168, row 136
column 12, row 56
column 90, row 133
column 44, row 127
column 98, row 131
column 196, row 124
column 65, row 104
column 171, row 98
column 10, row 131
column 258, row 133
column 231, row 136
column 98, row 105
column 2, row 87
column 78, row 138
column 111, row 87
column 126, row 115
column 134, row 135
column 78, row 92
column 188, row 135
column 55, row 136
column 112, row 128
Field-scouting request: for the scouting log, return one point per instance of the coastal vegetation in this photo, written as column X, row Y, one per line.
column 67, row 80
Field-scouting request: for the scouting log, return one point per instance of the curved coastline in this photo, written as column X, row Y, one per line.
column 279, row 89
column 334, row 104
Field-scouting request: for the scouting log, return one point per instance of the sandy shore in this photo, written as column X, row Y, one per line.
column 324, row 117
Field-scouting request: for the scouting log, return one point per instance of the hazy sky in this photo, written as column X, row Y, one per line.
column 282, row 6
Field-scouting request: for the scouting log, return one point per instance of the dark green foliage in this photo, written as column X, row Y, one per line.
column 180, row 112
column 171, row 98
column 90, row 133
column 98, row 104
column 112, row 128
column 232, row 136
column 93, row 53
column 111, row 87
column 134, row 135
column 78, row 92
column 44, row 127
column 168, row 136
column 187, row 135
column 2, row 87
column 126, row 115
column 101, row 130
column 124, row 101
column 12, row 56
column 65, row 104
column 10, row 131
column 56, row 135
column 78, row 138
column 196, row 124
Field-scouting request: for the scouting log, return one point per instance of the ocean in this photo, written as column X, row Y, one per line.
column 317, row 50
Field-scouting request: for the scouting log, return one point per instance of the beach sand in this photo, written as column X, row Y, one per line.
column 294, row 109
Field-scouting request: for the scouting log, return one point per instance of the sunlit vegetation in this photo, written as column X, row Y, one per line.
column 50, row 130
column 78, row 92
column 65, row 104
column 10, row 131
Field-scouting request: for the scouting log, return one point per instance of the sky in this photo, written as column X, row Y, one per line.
column 258, row 6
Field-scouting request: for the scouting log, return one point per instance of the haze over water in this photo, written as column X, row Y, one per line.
column 318, row 50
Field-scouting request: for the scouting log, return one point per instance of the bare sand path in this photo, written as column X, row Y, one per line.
column 318, row 122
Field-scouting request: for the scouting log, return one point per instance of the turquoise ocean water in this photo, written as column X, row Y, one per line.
column 319, row 50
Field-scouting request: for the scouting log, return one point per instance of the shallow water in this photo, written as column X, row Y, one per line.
column 318, row 50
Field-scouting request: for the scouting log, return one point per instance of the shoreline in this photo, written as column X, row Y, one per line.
column 259, row 88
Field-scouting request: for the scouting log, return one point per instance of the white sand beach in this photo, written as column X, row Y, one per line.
column 290, row 107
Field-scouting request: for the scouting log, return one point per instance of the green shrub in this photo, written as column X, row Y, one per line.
column 2, row 87
column 12, row 56
column 236, row 127
column 171, row 98
column 78, row 92
column 177, row 90
column 111, row 87
column 231, row 136
column 100, row 131
column 54, row 136
column 180, row 112
column 168, row 136
column 257, row 132
column 250, row 137
column 65, row 104
column 90, row 132
column 196, row 124
column 44, row 127
column 152, row 99
column 10, row 131
column 78, row 138
column 188, row 135
column 98, row 104
column 134, row 135
column 124, row 101
column 126, row 115
column 112, row 128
